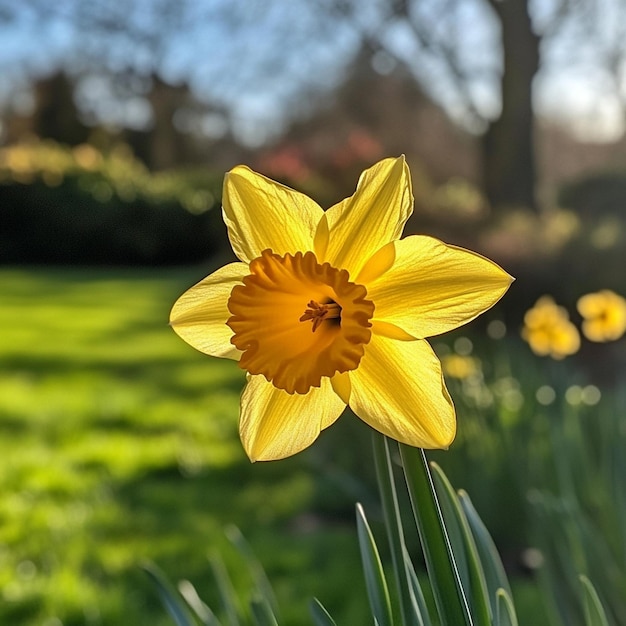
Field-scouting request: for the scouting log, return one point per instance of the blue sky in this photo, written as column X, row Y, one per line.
column 259, row 57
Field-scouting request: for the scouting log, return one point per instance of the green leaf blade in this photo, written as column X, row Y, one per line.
column 375, row 580
column 195, row 603
column 505, row 610
column 262, row 614
column 464, row 549
column 495, row 574
column 411, row 599
column 594, row 611
column 169, row 597
column 261, row 582
column 320, row 615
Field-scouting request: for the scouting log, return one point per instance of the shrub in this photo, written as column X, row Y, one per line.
column 596, row 195
column 79, row 206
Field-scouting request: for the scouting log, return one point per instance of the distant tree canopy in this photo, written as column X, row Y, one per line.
column 169, row 137
column 369, row 116
column 256, row 63
column 481, row 58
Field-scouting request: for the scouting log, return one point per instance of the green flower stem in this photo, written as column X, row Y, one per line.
column 450, row 600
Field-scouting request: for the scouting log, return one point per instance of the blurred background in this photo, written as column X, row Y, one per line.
column 119, row 443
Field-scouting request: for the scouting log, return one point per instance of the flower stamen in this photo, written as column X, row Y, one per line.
column 319, row 313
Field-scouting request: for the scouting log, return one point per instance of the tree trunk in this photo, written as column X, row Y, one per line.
column 508, row 158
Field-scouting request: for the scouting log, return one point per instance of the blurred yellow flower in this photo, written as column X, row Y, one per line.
column 548, row 330
column 604, row 315
column 459, row 366
column 329, row 309
column 87, row 157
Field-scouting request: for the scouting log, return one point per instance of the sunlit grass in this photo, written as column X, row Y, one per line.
column 119, row 444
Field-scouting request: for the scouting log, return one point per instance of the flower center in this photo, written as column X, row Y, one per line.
column 317, row 313
column 269, row 315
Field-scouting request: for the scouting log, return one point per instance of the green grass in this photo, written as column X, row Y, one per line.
column 119, row 445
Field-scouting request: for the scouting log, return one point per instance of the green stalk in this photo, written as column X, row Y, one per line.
column 442, row 569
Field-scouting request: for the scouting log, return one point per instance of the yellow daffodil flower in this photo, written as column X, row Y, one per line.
column 331, row 308
column 604, row 315
column 548, row 331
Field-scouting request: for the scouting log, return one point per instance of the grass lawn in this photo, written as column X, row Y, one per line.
column 119, row 445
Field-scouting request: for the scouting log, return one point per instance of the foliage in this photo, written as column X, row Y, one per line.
column 556, row 431
column 595, row 195
column 79, row 205
column 586, row 511
column 466, row 579
column 597, row 202
column 120, row 445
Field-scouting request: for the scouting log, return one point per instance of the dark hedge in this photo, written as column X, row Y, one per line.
column 63, row 206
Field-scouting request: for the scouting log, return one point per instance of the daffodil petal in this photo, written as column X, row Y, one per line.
column 199, row 315
column 275, row 424
column 432, row 287
column 398, row 389
column 372, row 217
column 260, row 214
